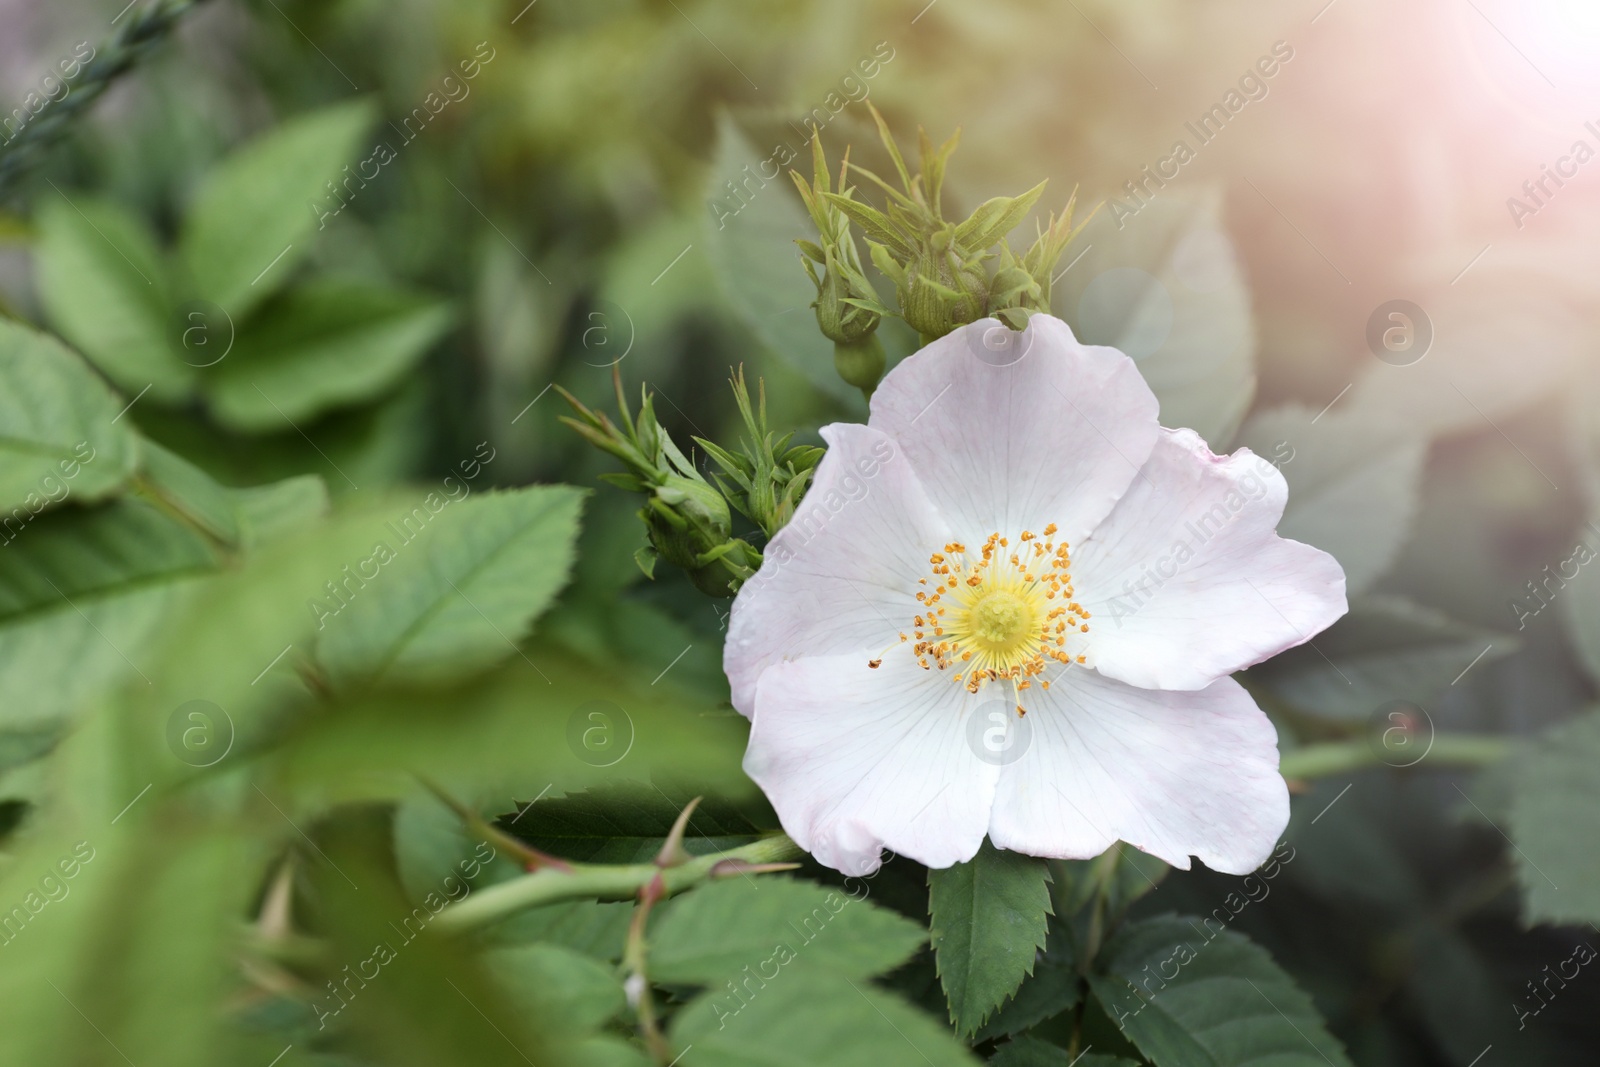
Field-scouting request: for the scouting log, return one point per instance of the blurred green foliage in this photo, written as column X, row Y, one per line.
column 286, row 529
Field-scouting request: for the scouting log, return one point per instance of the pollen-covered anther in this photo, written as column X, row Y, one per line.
column 1009, row 614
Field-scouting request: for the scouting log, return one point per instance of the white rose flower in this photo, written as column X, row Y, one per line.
column 1009, row 605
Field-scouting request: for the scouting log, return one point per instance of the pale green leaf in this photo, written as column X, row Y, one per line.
column 82, row 595
column 750, row 242
column 1166, row 288
column 103, row 282
column 448, row 587
column 319, row 347
column 569, row 993
column 58, row 437
column 1354, row 478
column 255, row 215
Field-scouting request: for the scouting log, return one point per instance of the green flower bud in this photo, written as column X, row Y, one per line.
column 940, row 295
column 861, row 363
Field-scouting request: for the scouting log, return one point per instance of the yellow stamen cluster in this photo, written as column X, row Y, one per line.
column 1001, row 614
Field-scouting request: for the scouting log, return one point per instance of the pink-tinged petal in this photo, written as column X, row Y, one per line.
column 1056, row 436
column 1172, row 773
column 855, row 760
column 842, row 575
column 1187, row 580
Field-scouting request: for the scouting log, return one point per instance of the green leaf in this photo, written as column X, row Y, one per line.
column 508, row 733
column 255, row 215
column 989, row 919
column 727, row 930
column 449, row 587
column 327, row 344
column 750, row 243
column 1354, row 478
column 1166, row 289
column 134, row 926
column 1031, row 1052
column 1555, row 820
column 103, row 283
column 268, row 512
column 810, row 1017
column 57, row 434
column 594, row 928
column 627, row 822
column 570, row 993
column 82, row 595
column 995, row 218
column 1190, row 997
column 1385, row 649
column 1053, row 988
column 191, row 492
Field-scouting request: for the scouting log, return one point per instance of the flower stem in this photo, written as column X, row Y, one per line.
column 1337, row 757
column 602, row 882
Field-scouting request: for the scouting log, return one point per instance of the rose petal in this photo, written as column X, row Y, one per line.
column 1186, row 579
column 1172, row 773
column 856, row 760
column 1056, row 436
column 842, row 575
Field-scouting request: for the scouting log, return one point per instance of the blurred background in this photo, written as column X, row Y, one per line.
column 1357, row 237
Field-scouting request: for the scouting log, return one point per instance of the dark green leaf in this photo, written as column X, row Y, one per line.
column 1031, row 1052
column 1189, row 996
column 1555, row 820
column 811, row 1017
column 989, row 919
column 1386, row 649
column 627, row 823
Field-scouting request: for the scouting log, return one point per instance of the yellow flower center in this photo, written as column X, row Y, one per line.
column 1000, row 614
